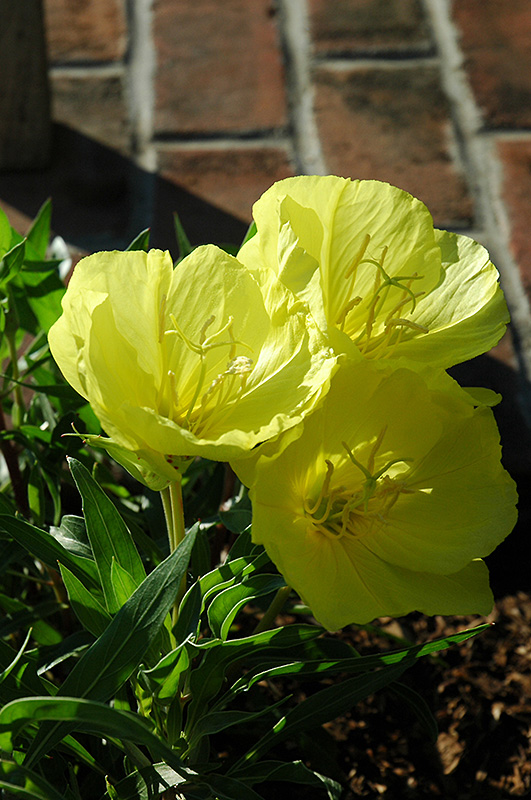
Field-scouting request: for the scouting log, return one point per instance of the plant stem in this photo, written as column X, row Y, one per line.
column 18, row 402
column 277, row 604
column 172, row 502
column 177, row 512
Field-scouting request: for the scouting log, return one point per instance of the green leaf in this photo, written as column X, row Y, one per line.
column 236, row 519
column 5, row 233
column 83, row 715
column 419, row 707
column 244, row 546
column 357, row 664
column 36, row 494
column 18, row 781
column 39, row 234
column 38, row 296
column 145, row 784
column 290, row 772
column 208, row 677
column 46, row 548
column 53, row 390
column 183, row 242
column 164, row 678
column 19, row 616
column 71, row 647
column 201, row 556
column 10, row 667
column 72, row 535
column 89, row 611
column 22, row 679
column 189, row 614
column 227, row 574
column 141, row 242
column 107, row 533
column 118, row 652
column 218, row 721
column 322, row 707
column 122, row 583
column 12, row 261
column 251, row 231
column 225, row 606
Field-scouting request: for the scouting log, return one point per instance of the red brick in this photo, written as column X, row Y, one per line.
column 392, row 125
column 516, row 160
column 213, row 190
column 94, row 106
column 344, row 26
column 80, row 30
column 219, row 66
column 496, row 40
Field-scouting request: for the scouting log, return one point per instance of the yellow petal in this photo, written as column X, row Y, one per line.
column 365, row 257
column 206, row 359
column 385, row 501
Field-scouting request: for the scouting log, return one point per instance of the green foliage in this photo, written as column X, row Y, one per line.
column 127, row 672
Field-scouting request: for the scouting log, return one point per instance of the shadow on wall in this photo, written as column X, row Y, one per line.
column 102, row 201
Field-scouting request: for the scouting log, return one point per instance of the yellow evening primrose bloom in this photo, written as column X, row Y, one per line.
column 199, row 360
column 388, row 500
column 377, row 276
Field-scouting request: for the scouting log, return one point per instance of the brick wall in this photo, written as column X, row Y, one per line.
column 198, row 106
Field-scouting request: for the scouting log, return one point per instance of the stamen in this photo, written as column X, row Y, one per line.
column 352, row 270
column 241, row 365
column 355, row 461
column 188, row 342
column 202, row 333
column 346, row 311
column 311, row 509
column 408, row 323
column 400, row 305
column 337, row 512
column 376, row 446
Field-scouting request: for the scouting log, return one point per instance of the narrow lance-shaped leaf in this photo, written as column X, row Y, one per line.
column 322, row 707
column 89, row 611
column 46, row 548
column 357, row 664
column 120, row 649
column 108, row 535
column 208, row 677
column 140, row 242
column 83, row 715
column 17, row 781
column 418, row 706
column 225, row 606
column 293, row 772
column 38, row 235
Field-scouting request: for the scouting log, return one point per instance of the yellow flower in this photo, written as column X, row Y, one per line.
column 192, row 361
column 388, row 500
column 376, row 275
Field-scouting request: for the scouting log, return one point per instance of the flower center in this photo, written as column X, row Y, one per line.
column 346, row 511
column 382, row 317
column 208, row 400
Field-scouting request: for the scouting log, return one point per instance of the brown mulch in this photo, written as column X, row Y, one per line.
column 480, row 694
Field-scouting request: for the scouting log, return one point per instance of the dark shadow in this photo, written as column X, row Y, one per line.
column 101, row 200
column 509, row 565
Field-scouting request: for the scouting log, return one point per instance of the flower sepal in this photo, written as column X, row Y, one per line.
column 150, row 468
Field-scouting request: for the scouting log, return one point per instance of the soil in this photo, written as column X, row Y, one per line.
column 480, row 695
